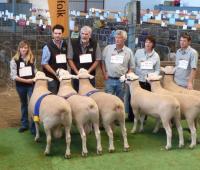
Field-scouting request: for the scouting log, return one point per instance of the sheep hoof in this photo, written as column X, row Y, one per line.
column 155, row 131
column 133, row 131
column 67, row 156
column 84, row 154
column 181, row 145
column 37, row 139
column 126, row 149
column 99, row 152
column 141, row 130
column 192, row 146
column 111, row 150
column 167, row 147
column 46, row 153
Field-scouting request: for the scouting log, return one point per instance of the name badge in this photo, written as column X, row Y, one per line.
column 85, row 58
column 61, row 58
column 21, row 64
column 117, row 59
column 146, row 65
column 25, row 71
column 183, row 64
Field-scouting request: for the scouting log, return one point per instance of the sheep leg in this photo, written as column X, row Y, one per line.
column 134, row 129
column 83, row 137
column 142, row 117
column 168, row 133
column 37, row 136
column 124, row 134
column 98, row 138
column 48, row 137
column 68, row 142
column 157, row 127
column 180, row 131
column 191, row 125
column 110, row 135
column 196, row 123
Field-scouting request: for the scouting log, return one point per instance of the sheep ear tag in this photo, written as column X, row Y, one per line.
column 122, row 78
column 91, row 77
column 49, row 79
column 75, row 77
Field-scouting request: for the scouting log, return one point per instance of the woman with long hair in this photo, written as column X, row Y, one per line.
column 22, row 71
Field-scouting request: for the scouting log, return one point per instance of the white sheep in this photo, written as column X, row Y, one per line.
column 54, row 112
column 84, row 109
column 189, row 100
column 189, row 104
column 111, row 108
column 169, row 84
column 159, row 106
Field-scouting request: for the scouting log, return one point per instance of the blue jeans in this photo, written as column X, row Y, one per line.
column 115, row 87
column 25, row 93
column 127, row 105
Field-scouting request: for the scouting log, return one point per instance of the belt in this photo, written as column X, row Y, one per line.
column 114, row 78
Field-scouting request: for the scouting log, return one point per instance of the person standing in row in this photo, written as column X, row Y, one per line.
column 186, row 63
column 117, row 60
column 54, row 56
column 22, row 71
column 84, row 52
column 147, row 61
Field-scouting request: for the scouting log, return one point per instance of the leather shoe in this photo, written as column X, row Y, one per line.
column 22, row 129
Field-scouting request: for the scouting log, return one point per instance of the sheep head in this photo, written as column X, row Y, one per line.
column 63, row 74
column 123, row 78
column 153, row 77
column 41, row 76
column 129, row 77
column 83, row 74
column 168, row 69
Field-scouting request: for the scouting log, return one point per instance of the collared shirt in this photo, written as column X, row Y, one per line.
column 13, row 69
column 46, row 54
column 70, row 53
column 142, row 56
column 186, row 60
column 118, row 68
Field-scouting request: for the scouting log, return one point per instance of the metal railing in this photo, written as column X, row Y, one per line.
column 167, row 38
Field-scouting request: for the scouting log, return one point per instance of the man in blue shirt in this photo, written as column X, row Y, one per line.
column 54, row 56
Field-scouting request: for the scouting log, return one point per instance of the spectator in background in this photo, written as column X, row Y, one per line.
column 84, row 52
column 117, row 61
column 54, row 56
column 177, row 2
column 186, row 63
column 22, row 71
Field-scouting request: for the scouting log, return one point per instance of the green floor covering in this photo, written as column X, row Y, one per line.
column 20, row 152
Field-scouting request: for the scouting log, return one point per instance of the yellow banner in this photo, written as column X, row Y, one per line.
column 59, row 14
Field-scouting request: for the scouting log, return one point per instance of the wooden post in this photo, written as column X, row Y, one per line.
column 59, row 13
column 85, row 6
